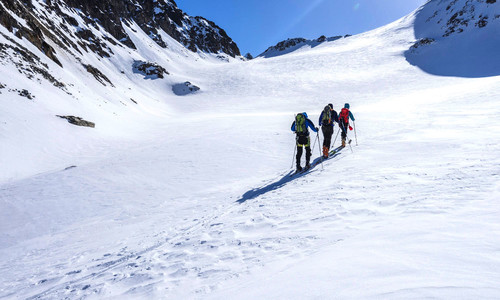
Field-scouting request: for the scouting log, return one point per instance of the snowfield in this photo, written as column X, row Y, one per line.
column 189, row 197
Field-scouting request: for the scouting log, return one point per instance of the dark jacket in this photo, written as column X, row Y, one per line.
column 335, row 118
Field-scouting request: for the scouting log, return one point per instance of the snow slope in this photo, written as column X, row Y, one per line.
column 190, row 197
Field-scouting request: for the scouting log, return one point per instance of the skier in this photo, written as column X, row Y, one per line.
column 344, row 116
column 327, row 120
column 299, row 126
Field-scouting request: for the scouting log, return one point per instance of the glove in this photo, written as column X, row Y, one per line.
column 350, row 128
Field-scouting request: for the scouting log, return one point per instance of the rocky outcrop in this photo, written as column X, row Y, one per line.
column 78, row 121
column 148, row 69
column 422, row 42
column 34, row 31
column 98, row 75
column 26, row 62
column 291, row 45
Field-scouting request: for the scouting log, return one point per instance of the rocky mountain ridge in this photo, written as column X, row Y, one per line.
column 292, row 44
column 77, row 26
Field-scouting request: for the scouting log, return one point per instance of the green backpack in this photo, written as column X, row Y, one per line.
column 300, row 124
column 327, row 116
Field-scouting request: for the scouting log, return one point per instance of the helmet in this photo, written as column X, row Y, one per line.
column 346, row 105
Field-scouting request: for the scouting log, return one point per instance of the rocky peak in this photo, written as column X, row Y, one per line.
column 193, row 32
column 293, row 44
column 104, row 20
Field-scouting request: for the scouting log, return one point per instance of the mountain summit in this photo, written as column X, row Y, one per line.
column 79, row 26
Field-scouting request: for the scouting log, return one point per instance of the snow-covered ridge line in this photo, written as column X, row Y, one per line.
column 290, row 45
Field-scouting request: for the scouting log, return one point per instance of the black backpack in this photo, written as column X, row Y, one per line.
column 327, row 116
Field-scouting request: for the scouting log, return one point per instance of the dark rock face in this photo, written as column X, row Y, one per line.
column 78, row 121
column 34, row 32
column 26, row 62
column 104, row 20
column 193, row 32
column 149, row 70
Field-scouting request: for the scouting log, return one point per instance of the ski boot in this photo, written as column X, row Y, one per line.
column 325, row 152
column 299, row 169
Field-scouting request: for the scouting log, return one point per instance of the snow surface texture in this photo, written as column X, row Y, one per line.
column 189, row 197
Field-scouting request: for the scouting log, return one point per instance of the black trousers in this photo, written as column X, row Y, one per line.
column 303, row 141
column 343, row 126
column 327, row 134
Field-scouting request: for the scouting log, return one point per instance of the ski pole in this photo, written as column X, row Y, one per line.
column 314, row 145
column 294, row 150
column 317, row 136
column 333, row 145
column 355, row 134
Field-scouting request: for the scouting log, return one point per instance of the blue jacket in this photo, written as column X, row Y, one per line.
column 335, row 117
column 309, row 124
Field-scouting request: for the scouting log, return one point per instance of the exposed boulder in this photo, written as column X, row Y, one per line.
column 25, row 93
column 78, row 121
column 148, row 69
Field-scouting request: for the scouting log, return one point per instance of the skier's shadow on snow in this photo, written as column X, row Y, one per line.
column 288, row 177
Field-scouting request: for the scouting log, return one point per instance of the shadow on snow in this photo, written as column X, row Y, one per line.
column 288, row 177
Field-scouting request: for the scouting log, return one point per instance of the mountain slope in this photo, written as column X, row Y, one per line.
column 70, row 59
column 190, row 197
column 457, row 38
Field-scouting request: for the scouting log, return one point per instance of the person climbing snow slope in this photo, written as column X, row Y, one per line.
column 299, row 126
column 344, row 116
column 327, row 121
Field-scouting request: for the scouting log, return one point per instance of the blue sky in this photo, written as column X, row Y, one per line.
column 257, row 24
